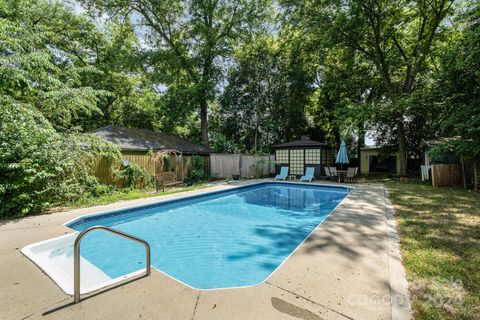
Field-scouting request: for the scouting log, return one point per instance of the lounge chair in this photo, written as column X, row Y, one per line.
column 283, row 174
column 351, row 174
column 308, row 174
column 328, row 176
column 333, row 172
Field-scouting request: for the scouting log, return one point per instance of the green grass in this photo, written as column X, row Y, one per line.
column 440, row 244
column 121, row 195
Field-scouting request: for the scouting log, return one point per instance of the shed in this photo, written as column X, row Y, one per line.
column 299, row 154
column 375, row 160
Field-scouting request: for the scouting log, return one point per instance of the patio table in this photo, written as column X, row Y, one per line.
column 341, row 175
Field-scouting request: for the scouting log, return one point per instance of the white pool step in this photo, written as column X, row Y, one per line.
column 55, row 258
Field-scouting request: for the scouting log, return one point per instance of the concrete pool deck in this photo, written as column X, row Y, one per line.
column 349, row 268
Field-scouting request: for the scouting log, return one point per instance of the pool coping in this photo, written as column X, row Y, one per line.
column 399, row 294
column 65, row 285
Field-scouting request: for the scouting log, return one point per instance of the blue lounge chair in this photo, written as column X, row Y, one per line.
column 283, row 174
column 308, row 174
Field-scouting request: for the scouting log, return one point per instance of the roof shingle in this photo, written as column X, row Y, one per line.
column 303, row 142
column 130, row 139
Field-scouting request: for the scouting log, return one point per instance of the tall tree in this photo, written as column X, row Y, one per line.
column 397, row 38
column 457, row 90
column 191, row 38
column 39, row 49
column 266, row 96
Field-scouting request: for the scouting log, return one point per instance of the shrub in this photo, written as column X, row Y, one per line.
column 197, row 171
column 40, row 167
column 168, row 163
column 134, row 176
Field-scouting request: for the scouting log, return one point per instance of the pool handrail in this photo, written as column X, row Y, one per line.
column 76, row 256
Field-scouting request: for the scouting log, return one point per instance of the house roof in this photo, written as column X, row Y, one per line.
column 144, row 140
column 303, row 142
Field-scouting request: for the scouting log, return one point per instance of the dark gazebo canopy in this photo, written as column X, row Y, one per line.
column 303, row 142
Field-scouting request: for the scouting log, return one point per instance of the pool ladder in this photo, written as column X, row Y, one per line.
column 76, row 257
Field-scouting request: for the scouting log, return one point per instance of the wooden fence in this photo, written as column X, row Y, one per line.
column 102, row 169
column 446, row 175
column 226, row 165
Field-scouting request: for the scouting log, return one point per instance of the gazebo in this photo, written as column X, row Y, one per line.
column 299, row 154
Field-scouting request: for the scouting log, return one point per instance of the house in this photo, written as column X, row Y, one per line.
column 299, row 154
column 137, row 145
column 377, row 160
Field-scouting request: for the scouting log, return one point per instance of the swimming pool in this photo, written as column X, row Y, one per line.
column 224, row 239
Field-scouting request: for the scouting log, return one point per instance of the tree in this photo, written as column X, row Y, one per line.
column 190, row 38
column 457, row 90
column 38, row 51
column 266, row 96
column 132, row 100
column 398, row 39
column 39, row 167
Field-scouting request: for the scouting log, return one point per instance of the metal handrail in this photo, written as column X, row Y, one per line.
column 76, row 257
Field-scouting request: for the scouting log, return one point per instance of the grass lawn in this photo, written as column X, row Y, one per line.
column 440, row 244
column 119, row 195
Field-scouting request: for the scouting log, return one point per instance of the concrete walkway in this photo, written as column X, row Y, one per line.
column 349, row 268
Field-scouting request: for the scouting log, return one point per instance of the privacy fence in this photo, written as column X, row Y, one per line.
column 218, row 166
column 224, row 166
column 104, row 170
column 466, row 174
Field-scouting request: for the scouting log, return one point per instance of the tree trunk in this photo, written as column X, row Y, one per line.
column 402, row 148
column 360, row 143
column 205, row 81
column 255, row 141
column 204, row 120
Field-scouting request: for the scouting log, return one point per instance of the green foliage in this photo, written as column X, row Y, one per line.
column 266, row 96
column 168, row 163
column 259, row 165
column 40, row 167
column 133, row 176
column 197, row 172
column 188, row 41
column 39, row 49
column 220, row 143
column 457, row 91
column 397, row 44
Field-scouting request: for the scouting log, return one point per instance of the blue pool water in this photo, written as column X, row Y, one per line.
column 227, row 239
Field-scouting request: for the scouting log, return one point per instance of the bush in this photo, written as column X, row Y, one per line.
column 39, row 167
column 197, row 171
column 134, row 176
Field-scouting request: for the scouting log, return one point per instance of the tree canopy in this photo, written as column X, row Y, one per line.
column 242, row 74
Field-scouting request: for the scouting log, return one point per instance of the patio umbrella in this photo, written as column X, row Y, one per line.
column 342, row 156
